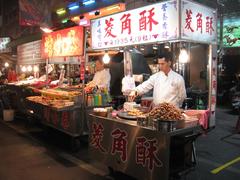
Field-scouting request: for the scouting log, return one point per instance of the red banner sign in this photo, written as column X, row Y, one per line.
column 67, row 42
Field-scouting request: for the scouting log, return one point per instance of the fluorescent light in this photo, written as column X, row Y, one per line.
column 64, row 21
column 113, row 7
column 46, row 30
column 61, row 11
column 73, row 6
column 88, row 2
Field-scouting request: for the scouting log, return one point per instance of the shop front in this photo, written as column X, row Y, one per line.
column 159, row 142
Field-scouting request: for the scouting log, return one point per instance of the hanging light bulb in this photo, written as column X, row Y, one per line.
column 155, row 47
column 121, row 50
column 6, row 64
column 142, row 48
column 35, row 69
column 183, row 56
column 29, row 68
column 24, row 69
column 106, row 58
column 167, row 45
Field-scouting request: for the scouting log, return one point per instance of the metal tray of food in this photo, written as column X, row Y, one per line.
column 125, row 115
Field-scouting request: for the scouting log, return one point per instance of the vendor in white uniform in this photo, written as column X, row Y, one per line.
column 168, row 86
column 102, row 76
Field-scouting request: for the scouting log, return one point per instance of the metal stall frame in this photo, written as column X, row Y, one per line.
column 69, row 120
column 103, row 129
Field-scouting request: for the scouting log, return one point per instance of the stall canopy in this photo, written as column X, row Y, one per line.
column 166, row 21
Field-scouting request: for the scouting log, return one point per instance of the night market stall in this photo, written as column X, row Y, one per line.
column 158, row 143
column 60, row 104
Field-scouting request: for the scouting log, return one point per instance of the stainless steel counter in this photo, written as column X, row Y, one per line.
column 141, row 152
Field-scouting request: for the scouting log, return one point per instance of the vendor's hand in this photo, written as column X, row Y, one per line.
column 132, row 95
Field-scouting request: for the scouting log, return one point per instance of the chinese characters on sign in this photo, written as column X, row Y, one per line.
column 97, row 135
column 65, row 120
column 144, row 25
column 199, row 23
column 214, row 84
column 146, row 153
column 119, row 143
column 145, row 149
column 67, row 42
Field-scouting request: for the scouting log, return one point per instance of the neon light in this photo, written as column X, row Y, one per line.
column 73, row 6
column 88, row 2
column 61, row 11
column 76, row 18
column 113, row 7
column 64, row 21
column 46, row 30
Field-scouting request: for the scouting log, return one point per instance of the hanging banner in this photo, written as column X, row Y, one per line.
column 34, row 12
column 154, row 23
column 199, row 23
column 67, row 42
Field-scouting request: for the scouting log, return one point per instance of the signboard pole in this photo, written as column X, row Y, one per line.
column 179, row 19
column 47, row 60
column 212, row 83
column 83, row 61
column 68, row 74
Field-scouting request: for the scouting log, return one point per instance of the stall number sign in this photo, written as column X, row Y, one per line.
column 199, row 23
column 145, row 149
column 67, row 42
column 158, row 22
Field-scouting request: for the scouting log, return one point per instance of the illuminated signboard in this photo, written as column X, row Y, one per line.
column 3, row 45
column 231, row 32
column 199, row 23
column 156, row 23
column 63, row 43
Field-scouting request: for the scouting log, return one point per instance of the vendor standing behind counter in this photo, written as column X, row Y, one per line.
column 102, row 76
column 168, row 86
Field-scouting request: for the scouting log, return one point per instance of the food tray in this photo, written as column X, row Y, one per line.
column 124, row 115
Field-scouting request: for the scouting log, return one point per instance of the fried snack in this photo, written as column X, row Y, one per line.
column 166, row 111
column 135, row 112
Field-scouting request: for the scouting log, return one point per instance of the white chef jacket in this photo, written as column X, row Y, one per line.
column 166, row 88
column 102, row 78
